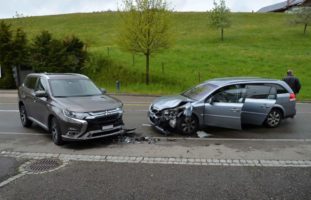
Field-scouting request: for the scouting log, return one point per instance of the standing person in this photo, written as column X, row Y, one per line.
column 292, row 81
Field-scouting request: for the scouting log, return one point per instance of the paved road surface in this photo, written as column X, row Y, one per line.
column 280, row 161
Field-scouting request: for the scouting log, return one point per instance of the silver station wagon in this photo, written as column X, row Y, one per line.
column 224, row 102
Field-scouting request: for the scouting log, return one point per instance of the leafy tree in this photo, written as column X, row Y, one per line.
column 75, row 53
column 220, row 17
column 47, row 53
column 303, row 16
column 6, row 48
column 20, row 52
column 51, row 55
column 145, row 28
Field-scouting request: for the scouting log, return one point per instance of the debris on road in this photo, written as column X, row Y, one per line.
column 133, row 138
column 202, row 134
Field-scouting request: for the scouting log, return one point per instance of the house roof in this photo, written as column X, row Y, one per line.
column 280, row 6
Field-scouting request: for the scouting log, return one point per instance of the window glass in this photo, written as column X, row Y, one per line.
column 198, row 92
column 42, row 85
column 230, row 94
column 30, row 82
column 260, row 92
column 73, row 87
column 280, row 89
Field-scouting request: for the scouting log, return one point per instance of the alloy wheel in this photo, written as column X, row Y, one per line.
column 274, row 118
column 189, row 125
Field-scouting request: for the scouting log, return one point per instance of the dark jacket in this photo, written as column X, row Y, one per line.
column 293, row 82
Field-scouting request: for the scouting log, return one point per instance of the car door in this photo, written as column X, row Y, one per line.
column 40, row 104
column 258, row 103
column 27, row 94
column 223, row 108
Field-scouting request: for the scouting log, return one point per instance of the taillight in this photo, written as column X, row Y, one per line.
column 292, row 97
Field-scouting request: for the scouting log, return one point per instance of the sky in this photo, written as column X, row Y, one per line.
column 10, row 8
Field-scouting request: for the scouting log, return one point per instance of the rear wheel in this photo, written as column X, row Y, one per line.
column 187, row 125
column 24, row 117
column 55, row 131
column 274, row 118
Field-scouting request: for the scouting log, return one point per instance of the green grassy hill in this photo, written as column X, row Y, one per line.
column 264, row 45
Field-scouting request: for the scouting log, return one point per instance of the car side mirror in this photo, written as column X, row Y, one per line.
column 211, row 100
column 103, row 90
column 41, row 93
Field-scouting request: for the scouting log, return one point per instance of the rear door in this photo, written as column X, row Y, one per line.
column 258, row 103
column 223, row 109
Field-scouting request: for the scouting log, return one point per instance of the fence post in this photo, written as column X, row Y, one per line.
column 118, row 86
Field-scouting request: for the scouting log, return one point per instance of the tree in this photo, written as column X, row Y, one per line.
column 52, row 55
column 145, row 28
column 220, row 17
column 75, row 53
column 20, row 52
column 6, row 55
column 47, row 53
column 303, row 16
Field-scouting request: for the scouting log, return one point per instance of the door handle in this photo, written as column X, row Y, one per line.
column 265, row 106
column 235, row 109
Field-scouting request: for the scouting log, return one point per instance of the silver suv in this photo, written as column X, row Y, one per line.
column 70, row 106
column 225, row 102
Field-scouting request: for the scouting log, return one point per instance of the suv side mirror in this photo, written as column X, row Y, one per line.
column 103, row 90
column 41, row 93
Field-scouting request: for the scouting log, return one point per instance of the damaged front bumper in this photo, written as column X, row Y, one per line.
column 166, row 120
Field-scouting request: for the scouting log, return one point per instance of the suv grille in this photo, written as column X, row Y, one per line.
column 97, row 123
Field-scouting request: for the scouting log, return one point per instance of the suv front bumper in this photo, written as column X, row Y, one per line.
column 76, row 129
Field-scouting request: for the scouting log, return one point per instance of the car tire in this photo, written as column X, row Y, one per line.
column 24, row 117
column 274, row 118
column 56, row 132
column 187, row 125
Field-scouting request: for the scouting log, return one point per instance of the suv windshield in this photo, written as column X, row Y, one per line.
column 198, row 92
column 73, row 88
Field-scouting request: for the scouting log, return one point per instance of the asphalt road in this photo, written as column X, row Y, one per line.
column 135, row 116
column 112, row 180
column 93, row 180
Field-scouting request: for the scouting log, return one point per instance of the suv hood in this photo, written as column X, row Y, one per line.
column 89, row 104
column 169, row 102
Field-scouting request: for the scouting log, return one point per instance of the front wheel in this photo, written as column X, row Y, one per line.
column 56, row 133
column 274, row 118
column 187, row 125
column 24, row 117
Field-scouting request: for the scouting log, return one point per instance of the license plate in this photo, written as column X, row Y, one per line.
column 107, row 127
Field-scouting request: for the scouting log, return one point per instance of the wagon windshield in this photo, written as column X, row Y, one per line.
column 198, row 92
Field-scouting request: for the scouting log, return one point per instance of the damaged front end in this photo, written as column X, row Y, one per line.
column 166, row 119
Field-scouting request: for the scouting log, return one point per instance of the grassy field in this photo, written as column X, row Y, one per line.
column 264, row 45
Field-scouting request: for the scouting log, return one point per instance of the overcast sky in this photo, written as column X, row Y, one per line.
column 8, row 8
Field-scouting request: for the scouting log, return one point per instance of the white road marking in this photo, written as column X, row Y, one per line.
column 9, row 180
column 147, row 125
column 12, row 111
column 14, row 133
column 126, row 110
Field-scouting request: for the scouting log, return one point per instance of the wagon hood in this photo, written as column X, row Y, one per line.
column 89, row 104
column 169, row 102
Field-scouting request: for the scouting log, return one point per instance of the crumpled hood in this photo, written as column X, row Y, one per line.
column 169, row 102
column 89, row 104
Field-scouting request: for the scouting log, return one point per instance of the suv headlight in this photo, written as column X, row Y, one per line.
column 75, row 115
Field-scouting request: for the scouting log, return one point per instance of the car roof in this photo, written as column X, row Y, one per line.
column 60, row 75
column 237, row 80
